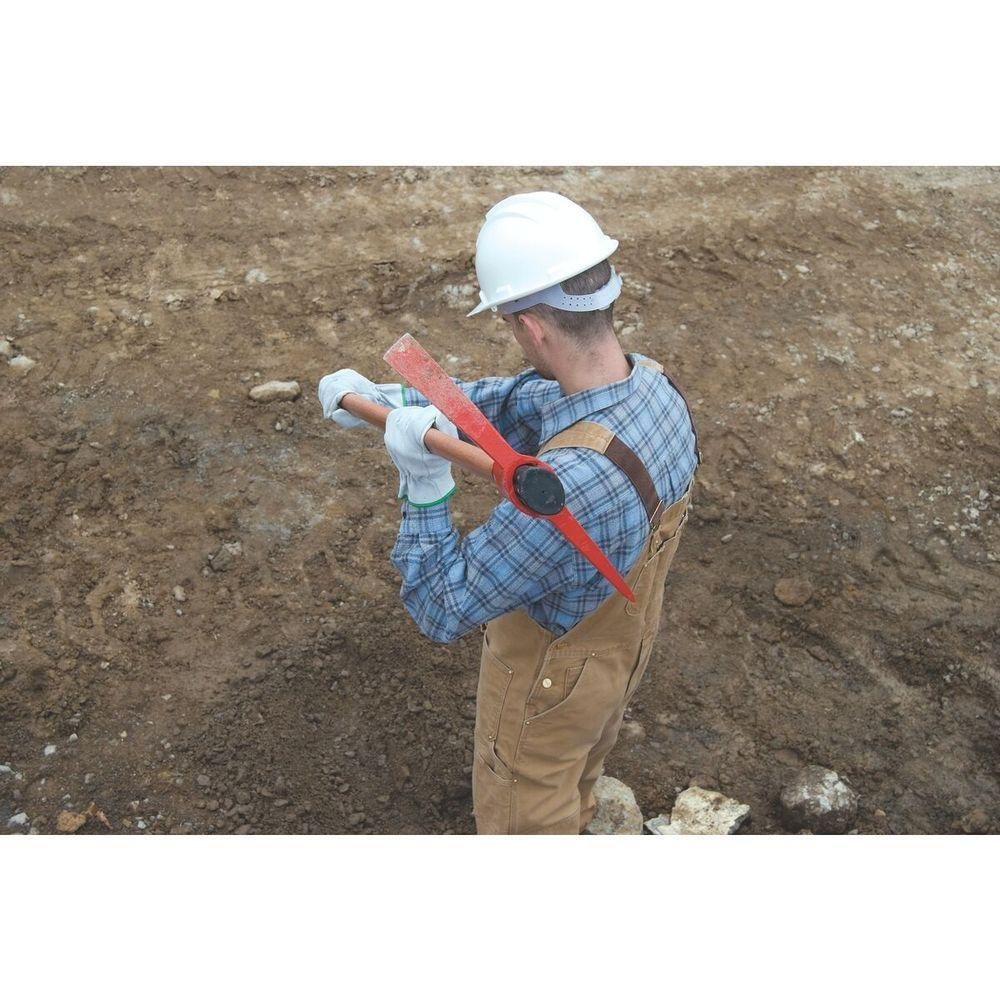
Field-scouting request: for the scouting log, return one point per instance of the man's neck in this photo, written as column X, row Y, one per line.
column 600, row 365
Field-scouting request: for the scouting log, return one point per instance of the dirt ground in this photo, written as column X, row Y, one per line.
column 836, row 331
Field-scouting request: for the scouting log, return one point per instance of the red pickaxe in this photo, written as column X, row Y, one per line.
column 531, row 485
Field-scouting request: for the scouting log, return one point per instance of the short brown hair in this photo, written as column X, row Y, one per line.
column 584, row 326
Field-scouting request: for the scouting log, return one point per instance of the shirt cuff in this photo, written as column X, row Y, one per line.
column 434, row 520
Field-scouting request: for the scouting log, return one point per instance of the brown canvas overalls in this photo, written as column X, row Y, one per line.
column 548, row 708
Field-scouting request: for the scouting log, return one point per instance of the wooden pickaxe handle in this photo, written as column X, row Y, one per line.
column 463, row 454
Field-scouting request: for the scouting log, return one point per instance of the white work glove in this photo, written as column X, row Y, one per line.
column 336, row 385
column 424, row 479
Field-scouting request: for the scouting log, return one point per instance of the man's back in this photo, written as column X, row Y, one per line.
column 517, row 561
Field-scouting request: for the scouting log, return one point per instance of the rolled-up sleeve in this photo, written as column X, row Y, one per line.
column 509, row 403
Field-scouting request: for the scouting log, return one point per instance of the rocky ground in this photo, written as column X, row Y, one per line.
column 200, row 629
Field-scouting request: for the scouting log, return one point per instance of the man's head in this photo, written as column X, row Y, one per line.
column 531, row 243
column 543, row 263
column 543, row 331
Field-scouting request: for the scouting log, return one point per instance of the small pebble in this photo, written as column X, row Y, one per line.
column 793, row 591
column 269, row 392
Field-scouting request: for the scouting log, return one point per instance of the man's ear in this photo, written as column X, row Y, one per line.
column 533, row 326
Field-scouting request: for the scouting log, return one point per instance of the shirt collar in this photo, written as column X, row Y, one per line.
column 560, row 413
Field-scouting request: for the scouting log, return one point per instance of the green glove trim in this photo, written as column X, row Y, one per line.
column 402, row 389
column 433, row 503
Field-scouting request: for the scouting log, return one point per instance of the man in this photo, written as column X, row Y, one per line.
column 562, row 652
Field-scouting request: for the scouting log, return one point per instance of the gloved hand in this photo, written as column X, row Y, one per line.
column 332, row 387
column 424, row 479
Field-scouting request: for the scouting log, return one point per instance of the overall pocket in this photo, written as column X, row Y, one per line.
column 555, row 682
column 492, row 792
column 491, row 694
column 560, row 735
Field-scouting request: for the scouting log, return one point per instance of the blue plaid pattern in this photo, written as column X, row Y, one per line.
column 452, row 584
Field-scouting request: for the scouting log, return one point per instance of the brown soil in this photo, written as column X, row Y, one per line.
column 836, row 330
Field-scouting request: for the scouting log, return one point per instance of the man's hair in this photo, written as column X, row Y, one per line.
column 582, row 326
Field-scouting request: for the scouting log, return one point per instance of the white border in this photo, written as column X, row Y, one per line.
column 447, row 82
column 468, row 917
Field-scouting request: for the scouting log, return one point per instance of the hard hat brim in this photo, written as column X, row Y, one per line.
column 610, row 247
column 482, row 307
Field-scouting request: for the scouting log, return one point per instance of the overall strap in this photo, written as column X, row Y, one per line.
column 588, row 434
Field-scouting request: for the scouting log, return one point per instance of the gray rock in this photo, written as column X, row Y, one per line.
column 18, row 819
column 659, row 825
column 617, row 811
column 268, row 392
column 819, row 800
column 22, row 363
column 702, row 811
column 222, row 560
column 180, row 595
column 6, row 348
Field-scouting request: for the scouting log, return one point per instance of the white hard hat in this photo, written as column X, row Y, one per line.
column 530, row 242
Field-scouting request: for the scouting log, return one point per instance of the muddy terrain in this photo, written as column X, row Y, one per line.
column 200, row 628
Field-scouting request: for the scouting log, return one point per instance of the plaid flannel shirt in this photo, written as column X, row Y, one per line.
column 452, row 585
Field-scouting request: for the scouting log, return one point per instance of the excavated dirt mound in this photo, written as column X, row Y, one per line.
column 834, row 601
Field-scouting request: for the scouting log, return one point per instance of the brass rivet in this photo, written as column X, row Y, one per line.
column 547, row 683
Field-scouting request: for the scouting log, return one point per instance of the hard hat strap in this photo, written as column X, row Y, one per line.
column 554, row 296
